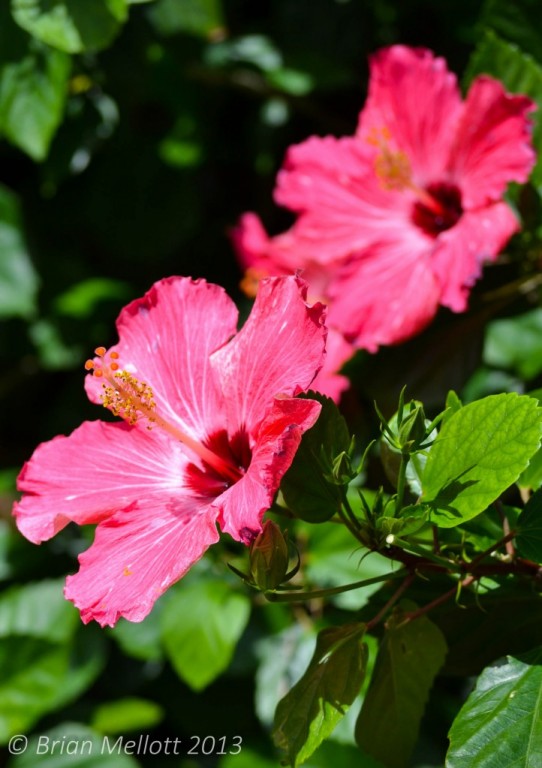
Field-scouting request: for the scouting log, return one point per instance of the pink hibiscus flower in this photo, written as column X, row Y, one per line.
column 399, row 219
column 211, row 424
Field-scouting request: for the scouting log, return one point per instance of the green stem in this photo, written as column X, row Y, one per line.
column 427, row 554
column 391, row 602
column 296, row 597
column 350, row 512
column 489, row 551
column 350, row 521
column 401, row 482
column 440, row 600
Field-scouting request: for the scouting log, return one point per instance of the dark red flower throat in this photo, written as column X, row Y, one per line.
column 439, row 213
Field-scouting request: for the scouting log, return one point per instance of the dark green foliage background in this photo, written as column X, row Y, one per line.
column 170, row 132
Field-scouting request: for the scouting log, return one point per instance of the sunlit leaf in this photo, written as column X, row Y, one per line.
column 500, row 724
column 38, row 610
column 72, row 26
column 201, row 625
column 480, row 451
column 33, row 93
column 128, row 714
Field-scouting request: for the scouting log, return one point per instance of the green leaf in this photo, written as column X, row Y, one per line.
column 18, row 278
column 201, row 625
column 72, row 26
column 486, row 627
column 38, row 676
column 307, row 487
column 33, row 94
column 480, row 451
column 291, row 81
column 409, row 658
column 531, row 477
column 256, row 50
column 283, row 659
column 341, row 756
column 128, row 714
column 53, row 352
column 83, row 748
column 203, row 18
column 81, row 299
column 501, row 721
column 518, row 22
column 519, row 73
column 516, row 343
column 413, row 426
column 38, row 610
column 142, row 640
column 46, row 656
column 529, row 529
column 453, row 404
column 248, row 758
column 314, row 706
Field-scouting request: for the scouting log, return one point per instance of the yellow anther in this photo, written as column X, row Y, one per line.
column 251, row 280
column 391, row 166
column 128, row 397
column 393, row 169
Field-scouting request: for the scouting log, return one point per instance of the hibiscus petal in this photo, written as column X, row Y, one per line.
column 279, row 350
column 414, row 100
column 387, row 296
column 329, row 382
column 137, row 554
column 460, row 252
column 242, row 506
column 341, row 160
column 264, row 254
column 344, row 206
column 87, row 476
column 166, row 339
column 285, row 254
column 492, row 145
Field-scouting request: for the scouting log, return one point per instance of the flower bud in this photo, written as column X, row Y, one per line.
column 342, row 472
column 269, row 557
column 413, row 429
